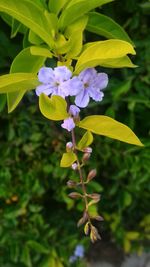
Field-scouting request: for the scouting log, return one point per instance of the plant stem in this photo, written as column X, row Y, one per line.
column 81, row 176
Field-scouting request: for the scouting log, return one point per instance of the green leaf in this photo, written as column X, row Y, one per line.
column 74, row 34
column 37, row 247
column 102, row 51
column 54, row 108
column 25, row 257
column 68, row 159
column 15, row 27
column 31, row 15
column 23, row 62
column 103, row 125
column 40, row 51
column 107, row 27
column 132, row 235
column 76, row 9
column 3, row 100
column 86, row 140
column 56, row 6
column 34, row 38
column 11, row 82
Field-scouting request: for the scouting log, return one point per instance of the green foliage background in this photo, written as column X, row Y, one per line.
column 37, row 219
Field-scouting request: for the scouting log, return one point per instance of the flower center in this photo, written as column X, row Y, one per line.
column 86, row 85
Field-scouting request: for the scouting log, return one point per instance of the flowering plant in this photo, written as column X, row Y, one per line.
column 67, row 88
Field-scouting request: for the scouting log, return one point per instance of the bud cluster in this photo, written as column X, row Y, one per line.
column 89, row 199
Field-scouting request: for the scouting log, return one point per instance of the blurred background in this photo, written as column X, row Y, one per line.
column 37, row 219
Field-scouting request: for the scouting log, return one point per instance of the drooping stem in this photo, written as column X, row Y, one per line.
column 81, row 175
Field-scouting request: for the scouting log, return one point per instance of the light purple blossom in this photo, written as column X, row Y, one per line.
column 92, row 84
column 74, row 166
column 54, row 81
column 72, row 259
column 68, row 124
column 79, row 251
column 69, row 145
column 74, row 111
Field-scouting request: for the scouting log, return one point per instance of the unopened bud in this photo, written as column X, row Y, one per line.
column 69, row 146
column 86, row 157
column 94, row 235
column 91, row 175
column 83, row 219
column 98, row 218
column 95, row 196
column 71, row 184
column 75, row 195
column 74, row 166
column 87, row 228
column 87, row 150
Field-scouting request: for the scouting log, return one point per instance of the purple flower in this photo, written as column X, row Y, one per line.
column 74, row 111
column 92, row 84
column 54, row 81
column 79, row 251
column 74, row 166
column 72, row 259
column 68, row 124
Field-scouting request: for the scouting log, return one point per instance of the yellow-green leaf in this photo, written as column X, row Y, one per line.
column 98, row 52
column 127, row 245
column 23, row 62
column 103, row 125
column 31, row 15
column 75, row 9
column 132, row 235
column 24, row 81
column 40, row 51
column 68, row 159
column 85, row 141
column 54, row 108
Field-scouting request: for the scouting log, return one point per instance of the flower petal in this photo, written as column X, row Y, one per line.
column 74, row 86
column 74, row 110
column 95, row 94
column 87, row 75
column 62, row 73
column 45, row 75
column 68, row 124
column 82, row 99
column 101, row 81
column 44, row 88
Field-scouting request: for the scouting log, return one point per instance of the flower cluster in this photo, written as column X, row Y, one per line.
column 59, row 81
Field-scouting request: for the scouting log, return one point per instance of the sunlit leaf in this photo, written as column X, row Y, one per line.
column 103, row 125
column 102, row 51
column 85, row 141
column 68, row 159
column 31, row 15
column 76, row 9
column 11, row 82
column 23, row 62
column 54, row 108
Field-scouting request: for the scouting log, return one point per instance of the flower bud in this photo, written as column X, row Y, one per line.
column 94, row 235
column 91, row 175
column 74, row 166
column 95, row 196
column 98, row 218
column 71, row 184
column 75, row 195
column 86, row 157
column 83, row 219
column 69, row 146
column 87, row 150
column 87, row 228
